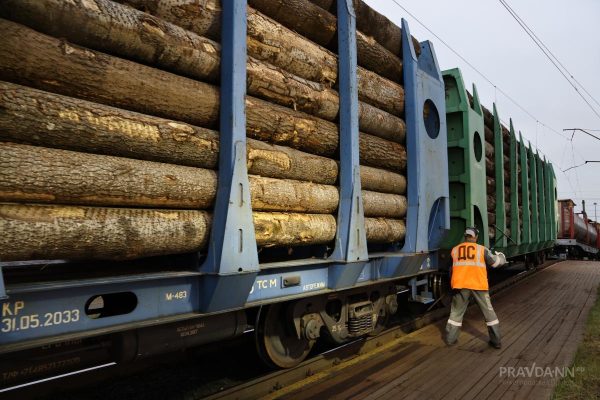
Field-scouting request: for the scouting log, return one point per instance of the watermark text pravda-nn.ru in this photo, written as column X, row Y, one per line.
column 537, row 375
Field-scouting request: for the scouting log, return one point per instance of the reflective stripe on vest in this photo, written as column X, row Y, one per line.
column 468, row 267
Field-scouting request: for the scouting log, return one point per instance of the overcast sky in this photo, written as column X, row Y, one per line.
column 485, row 34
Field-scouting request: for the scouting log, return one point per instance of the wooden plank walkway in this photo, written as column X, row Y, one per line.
column 542, row 320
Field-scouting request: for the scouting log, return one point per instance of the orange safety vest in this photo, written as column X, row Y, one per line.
column 468, row 267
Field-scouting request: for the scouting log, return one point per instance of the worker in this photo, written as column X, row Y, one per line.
column 469, row 278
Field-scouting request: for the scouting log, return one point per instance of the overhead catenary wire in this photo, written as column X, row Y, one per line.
column 576, row 151
column 553, row 59
column 581, row 130
column 515, row 15
column 488, row 80
column 581, row 165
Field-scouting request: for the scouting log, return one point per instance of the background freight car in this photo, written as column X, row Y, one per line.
column 578, row 236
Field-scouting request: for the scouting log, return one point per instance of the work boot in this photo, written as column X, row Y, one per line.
column 495, row 345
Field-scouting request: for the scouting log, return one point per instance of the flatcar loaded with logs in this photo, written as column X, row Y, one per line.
column 174, row 172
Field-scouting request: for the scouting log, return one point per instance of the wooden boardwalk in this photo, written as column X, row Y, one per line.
column 542, row 320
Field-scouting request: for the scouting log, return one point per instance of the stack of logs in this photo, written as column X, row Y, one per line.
column 490, row 171
column 109, row 126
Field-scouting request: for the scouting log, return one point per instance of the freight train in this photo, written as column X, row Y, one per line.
column 344, row 168
column 578, row 236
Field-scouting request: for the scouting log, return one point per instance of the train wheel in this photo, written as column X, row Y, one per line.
column 276, row 341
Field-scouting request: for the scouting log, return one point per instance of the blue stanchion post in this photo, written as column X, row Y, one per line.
column 350, row 252
column 351, row 239
column 232, row 248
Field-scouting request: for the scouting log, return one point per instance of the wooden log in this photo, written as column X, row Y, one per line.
column 489, row 137
column 488, row 120
column 300, row 16
column 327, row 5
column 283, row 229
column 69, row 232
column 320, row 26
column 374, row 24
column 368, row 21
column 490, row 170
column 489, row 150
column 33, row 232
column 268, row 194
column 37, row 174
column 491, row 203
column 377, row 26
column 126, row 32
column 272, row 42
column 384, row 205
column 380, row 180
column 46, row 119
column 491, row 218
column 488, row 134
column 57, row 66
column 290, row 128
column 491, row 188
column 381, row 230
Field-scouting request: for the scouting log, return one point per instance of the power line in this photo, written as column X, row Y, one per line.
column 549, row 51
column 581, row 165
column 553, row 59
column 496, row 88
column 488, row 80
column 581, row 130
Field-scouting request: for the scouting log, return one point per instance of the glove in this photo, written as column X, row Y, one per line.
column 502, row 258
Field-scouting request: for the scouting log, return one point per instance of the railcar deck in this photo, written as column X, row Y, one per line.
column 542, row 321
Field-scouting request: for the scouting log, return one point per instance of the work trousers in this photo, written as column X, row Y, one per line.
column 460, row 302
